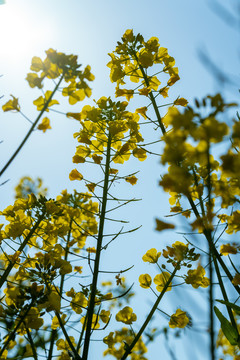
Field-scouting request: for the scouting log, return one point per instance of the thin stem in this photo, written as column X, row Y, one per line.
column 210, row 243
column 150, row 315
column 31, row 342
column 81, row 335
column 21, row 247
column 212, row 333
column 230, row 313
column 98, row 253
column 152, row 98
column 31, row 128
column 214, row 250
column 54, row 332
column 12, row 334
column 77, row 357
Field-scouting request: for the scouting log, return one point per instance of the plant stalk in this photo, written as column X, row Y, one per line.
column 150, row 315
column 98, row 253
column 31, row 128
column 21, row 247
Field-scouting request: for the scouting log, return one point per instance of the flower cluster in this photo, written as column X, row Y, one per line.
column 56, row 66
column 132, row 57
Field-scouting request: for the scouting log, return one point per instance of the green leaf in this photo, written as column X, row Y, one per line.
column 229, row 331
column 233, row 306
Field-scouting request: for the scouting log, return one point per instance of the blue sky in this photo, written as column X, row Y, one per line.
column 91, row 29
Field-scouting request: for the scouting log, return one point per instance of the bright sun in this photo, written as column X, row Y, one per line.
column 22, row 34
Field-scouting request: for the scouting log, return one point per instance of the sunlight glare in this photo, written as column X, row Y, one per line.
column 22, row 34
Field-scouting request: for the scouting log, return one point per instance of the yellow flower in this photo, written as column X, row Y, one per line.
column 109, row 340
column 73, row 94
column 75, row 175
column 151, row 256
column 34, row 81
column 178, row 251
column 55, row 323
column 181, row 101
column 116, row 73
column 28, row 352
column 196, row 278
column 154, row 83
column 126, row 315
column 179, row 319
column 164, row 91
column 78, row 269
column 76, row 116
column 78, row 302
column 140, row 154
column 161, row 279
column 97, row 159
column 32, row 320
column 144, row 91
column 41, row 101
column 162, row 225
column 11, row 105
column 131, row 179
column 104, row 316
column 53, row 302
column 128, row 36
column 63, row 344
column 45, row 125
column 228, row 249
column 91, row 250
column 113, row 171
column 95, row 323
column 145, row 281
column 124, row 92
column 236, row 279
column 37, row 64
column 91, row 187
column 174, row 78
column 65, row 267
column 145, row 59
column 142, row 111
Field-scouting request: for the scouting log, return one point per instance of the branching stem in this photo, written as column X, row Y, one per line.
column 98, row 253
column 150, row 315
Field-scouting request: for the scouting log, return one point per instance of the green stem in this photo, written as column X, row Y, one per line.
column 31, row 343
column 230, row 313
column 54, row 332
column 193, row 207
column 214, row 250
column 21, row 247
column 212, row 333
column 150, row 315
column 12, row 334
column 152, row 98
column 213, row 253
column 76, row 355
column 215, row 256
column 82, row 333
column 31, row 128
column 210, row 243
column 52, row 341
column 98, row 253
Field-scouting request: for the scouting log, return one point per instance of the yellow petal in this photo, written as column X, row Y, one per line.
column 75, row 175
column 161, row 225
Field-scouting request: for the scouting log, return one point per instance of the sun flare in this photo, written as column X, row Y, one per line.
column 22, row 33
